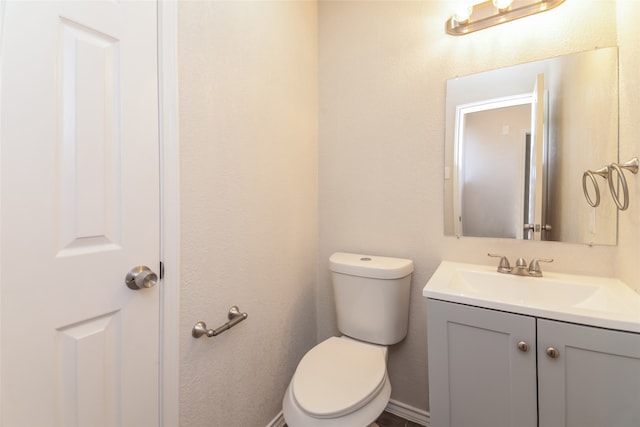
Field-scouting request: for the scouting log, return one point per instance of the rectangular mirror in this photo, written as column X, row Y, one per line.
column 517, row 142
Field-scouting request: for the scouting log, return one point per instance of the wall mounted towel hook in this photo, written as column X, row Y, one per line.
column 603, row 172
column 631, row 166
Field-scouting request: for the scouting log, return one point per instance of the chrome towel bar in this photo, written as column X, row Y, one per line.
column 235, row 317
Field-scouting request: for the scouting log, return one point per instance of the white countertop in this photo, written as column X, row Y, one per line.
column 596, row 301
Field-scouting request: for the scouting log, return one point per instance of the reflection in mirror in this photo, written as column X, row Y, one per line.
column 518, row 140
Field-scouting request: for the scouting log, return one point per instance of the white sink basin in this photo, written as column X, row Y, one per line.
column 590, row 300
column 519, row 289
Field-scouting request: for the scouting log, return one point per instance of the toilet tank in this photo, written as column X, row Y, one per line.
column 371, row 296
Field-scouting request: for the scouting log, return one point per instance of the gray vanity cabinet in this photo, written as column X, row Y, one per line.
column 593, row 381
column 478, row 377
column 492, row 368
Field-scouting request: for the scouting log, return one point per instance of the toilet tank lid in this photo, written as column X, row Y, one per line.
column 376, row 267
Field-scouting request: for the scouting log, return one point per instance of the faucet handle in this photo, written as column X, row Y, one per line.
column 534, row 267
column 503, row 266
column 521, row 263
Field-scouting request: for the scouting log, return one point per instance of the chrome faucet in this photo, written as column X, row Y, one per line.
column 534, row 267
column 520, row 269
column 503, row 266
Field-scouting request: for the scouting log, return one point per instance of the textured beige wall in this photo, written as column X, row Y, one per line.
column 382, row 72
column 248, row 74
column 249, row 203
column 581, row 82
column 628, row 250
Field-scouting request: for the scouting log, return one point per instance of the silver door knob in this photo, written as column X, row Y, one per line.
column 523, row 346
column 552, row 352
column 141, row 277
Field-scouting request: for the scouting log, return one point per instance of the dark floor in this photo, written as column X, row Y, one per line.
column 390, row 420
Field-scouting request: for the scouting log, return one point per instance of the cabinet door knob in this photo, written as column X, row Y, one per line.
column 523, row 346
column 553, row 352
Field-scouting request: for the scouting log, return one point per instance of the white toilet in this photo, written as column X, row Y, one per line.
column 342, row 382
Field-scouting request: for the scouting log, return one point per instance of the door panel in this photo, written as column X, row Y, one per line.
column 79, row 208
column 87, row 383
column 88, row 162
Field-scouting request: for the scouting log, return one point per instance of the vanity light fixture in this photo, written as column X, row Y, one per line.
column 479, row 14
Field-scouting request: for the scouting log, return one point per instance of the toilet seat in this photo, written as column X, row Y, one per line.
column 339, row 376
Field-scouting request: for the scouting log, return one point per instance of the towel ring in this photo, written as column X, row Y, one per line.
column 603, row 172
column 631, row 166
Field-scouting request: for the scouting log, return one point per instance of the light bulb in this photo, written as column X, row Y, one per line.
column 462, row 12
column 502, row 4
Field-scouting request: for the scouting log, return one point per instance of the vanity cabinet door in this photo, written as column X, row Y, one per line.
column 593, row 378
column 482, row 367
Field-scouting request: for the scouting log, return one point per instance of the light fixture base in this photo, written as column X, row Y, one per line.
column 486, row 14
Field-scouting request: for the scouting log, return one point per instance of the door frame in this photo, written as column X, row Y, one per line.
column 458, row 153
column 169, row 212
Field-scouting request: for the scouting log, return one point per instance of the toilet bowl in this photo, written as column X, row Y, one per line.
column 343, row 381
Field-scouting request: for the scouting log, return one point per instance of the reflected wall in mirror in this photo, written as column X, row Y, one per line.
column 517, row 141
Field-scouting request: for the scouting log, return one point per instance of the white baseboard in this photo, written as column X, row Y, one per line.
column 409, row 413
column 278, row 421
column 400, row 409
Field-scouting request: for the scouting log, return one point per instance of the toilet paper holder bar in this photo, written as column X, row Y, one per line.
column 235, row 317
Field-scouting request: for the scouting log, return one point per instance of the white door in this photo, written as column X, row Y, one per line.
column 79, row 208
